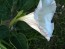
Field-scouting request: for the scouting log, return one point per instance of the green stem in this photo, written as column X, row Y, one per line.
column 16, row 18
column 6, row 43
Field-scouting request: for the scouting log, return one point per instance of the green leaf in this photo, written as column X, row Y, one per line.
column 2, row 46
column 26, row 5
column 20, row 25
column 29, row 4
column 5, row 9
column 4, row 32
column 19, row 41
column 20, row 4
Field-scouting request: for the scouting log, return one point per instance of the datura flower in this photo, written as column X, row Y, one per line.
column 40, row 19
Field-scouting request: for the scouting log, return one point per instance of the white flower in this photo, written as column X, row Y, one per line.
column 41, row 18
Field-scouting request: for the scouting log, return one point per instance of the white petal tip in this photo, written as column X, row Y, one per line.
column 48, row 38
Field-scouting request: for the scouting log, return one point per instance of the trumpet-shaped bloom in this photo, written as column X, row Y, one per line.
column 41, row 18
